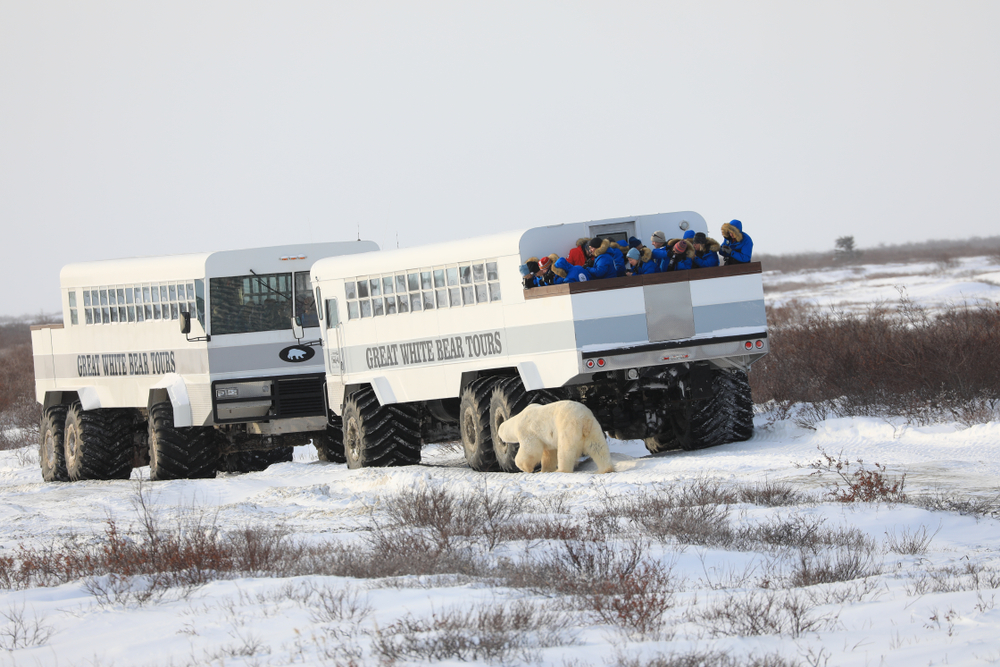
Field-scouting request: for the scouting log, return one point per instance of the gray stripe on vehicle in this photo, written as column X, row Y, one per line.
column 609, row 330
column 249, row 359
column 728, row 315
column 539, row 338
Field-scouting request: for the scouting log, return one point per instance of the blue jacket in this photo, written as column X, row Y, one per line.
column 569, row 273
column 740, row 250
column 604, row 263
column 709, row 257
column 661, row 256
column 646, row 263
column 618, row 257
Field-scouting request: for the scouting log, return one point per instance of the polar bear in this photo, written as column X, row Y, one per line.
column 558, row 432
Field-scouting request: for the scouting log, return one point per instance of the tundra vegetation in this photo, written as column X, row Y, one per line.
column 545, row 574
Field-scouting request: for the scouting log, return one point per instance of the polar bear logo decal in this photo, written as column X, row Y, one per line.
column 297, row 354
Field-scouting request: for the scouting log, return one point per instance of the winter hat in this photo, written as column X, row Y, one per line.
column 689, row 234
column 546, row 262
column 523, row 269
column 633, row 253
column 680, row 247
column 700, row 238
column 658, row 237
column 596, row 242
column 633, row 242
column 532, row 266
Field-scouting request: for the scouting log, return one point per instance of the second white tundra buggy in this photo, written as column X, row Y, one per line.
column 189, row 363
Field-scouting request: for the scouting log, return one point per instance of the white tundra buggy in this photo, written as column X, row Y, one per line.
column 422, row 341
column 190, row 363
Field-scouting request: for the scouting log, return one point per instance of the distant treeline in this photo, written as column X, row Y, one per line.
column 940, row 250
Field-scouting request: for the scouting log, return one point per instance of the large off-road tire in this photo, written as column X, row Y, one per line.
column 507, row 400
column 254, row 460
column 379, row 436
column 51, row 444
column 330, row 444
column 474, row 421
column 509, row 397
column 727, row 416
column 97, row 444
column 179, row 453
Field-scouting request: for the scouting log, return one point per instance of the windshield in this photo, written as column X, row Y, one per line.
column 262, row 302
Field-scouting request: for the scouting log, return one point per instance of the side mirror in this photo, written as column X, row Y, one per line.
column 297, row 327
column 185, row 323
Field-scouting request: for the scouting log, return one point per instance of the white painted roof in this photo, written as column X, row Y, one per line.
column 443, row 252
column 206, row 264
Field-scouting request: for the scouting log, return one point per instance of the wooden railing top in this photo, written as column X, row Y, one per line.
column 649, row 279
column 37, row 327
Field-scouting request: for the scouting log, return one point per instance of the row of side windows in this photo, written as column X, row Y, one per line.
column 413, row 291
column 148, row 302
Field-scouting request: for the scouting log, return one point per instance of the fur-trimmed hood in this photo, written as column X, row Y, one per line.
column 711, row 245
column 605, row 244
column 645, row 254
column 580, row 242
column 734, row 227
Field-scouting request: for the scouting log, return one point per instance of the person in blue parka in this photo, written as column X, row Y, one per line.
column 737, row 246
column 706, row 251
column 569, row 273
column 663, row 249
column 682, row 257
column 617, row 253
column 601, row 263
column 641, row 262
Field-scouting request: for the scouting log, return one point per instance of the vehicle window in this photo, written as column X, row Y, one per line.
column 245, row 304
column 331, row 313
column 305, row 301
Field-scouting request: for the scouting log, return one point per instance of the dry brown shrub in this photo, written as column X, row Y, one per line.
column 487, row 632
column 18, row 410
column 902, row 362
column 769, row 494
column 862, row 484
column 696, row 512
column 833, row 566
column 707, row 658
column 767, row 612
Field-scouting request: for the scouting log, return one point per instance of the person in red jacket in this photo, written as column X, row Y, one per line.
column 577, row 257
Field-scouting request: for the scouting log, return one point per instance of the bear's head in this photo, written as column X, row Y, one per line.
column 507, row 431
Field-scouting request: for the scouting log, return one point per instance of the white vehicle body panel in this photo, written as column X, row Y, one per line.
column 422, row 356
column 119, row 364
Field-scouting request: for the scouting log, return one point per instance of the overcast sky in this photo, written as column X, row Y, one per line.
column 147, row 128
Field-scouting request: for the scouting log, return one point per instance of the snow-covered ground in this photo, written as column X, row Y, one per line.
column 935, row 286
column 934, row 605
